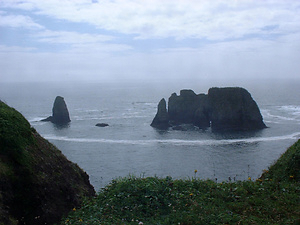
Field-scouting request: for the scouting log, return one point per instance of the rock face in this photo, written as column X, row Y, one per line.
column 233, row 109
column 38, row 184
column 188, row 108
column 60, row 113
column 161, row 120
column 221, row 109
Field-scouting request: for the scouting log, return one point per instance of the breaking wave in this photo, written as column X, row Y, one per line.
column 37, row 119
column 282, row 114
column 178, row 141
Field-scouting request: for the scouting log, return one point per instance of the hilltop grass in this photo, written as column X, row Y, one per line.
column 272, row 199
column 287, row 167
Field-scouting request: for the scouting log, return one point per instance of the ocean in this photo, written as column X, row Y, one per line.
column 130, row 146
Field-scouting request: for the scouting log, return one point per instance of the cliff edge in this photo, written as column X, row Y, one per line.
column 38, row 184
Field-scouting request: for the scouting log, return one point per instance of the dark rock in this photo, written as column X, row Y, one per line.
column 102, row 125
column 178, row 127
column 38, row 184
column 184, row 127
column 48, row 119
column 60, row 113
column 223, row 109
column 161, row 119
column 233, row 109
column 181, row 108
column 201, row 116
column 189, row 108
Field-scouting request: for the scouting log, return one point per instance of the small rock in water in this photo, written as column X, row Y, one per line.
column 102, row 125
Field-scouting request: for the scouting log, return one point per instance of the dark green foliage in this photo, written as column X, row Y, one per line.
column 155, row 200
column 37, row 183
column 15, row 133
column 15, row 136
column 165, row 201
column 287, row 167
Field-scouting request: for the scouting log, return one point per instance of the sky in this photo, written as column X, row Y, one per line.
column 149, row 39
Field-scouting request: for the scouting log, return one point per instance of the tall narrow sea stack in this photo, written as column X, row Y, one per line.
column 60, row 113
column 161, row 120
column 222, row 109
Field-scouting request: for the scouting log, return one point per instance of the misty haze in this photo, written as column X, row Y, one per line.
column 113, row 61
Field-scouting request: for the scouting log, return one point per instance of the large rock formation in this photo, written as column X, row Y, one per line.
column 60, row 113
column 188, row 108
column 38, row 184
column 221, row 109
column 161, row 120
column 233, row 109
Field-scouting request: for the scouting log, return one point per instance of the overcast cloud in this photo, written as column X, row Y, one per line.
column 149, row 39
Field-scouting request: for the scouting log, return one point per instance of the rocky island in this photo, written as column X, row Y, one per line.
column 60, row 113
column 38, row 184
column 222, row 109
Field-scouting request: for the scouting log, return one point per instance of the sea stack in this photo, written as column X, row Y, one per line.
column 161, row 120
column 233, row 109
column 222, row 109
column 189, row 108
column 60, row 113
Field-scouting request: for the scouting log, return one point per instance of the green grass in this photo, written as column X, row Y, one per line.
column 38, row 185
column 272, row 199
column 287, row 167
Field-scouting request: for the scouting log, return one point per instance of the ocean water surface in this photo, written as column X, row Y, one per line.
column 129, row 145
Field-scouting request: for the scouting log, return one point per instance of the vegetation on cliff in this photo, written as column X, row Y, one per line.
column 271, row 199
column 38, row 185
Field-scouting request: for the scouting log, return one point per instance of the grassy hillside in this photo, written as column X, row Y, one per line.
column 272, row 199
column 38, row 184
column 287, row 167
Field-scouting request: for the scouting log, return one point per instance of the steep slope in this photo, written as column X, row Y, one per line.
column 287, row 167
column 38, row 185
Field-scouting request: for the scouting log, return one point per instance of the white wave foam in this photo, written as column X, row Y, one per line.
column 36, row 119
column 178, row 141
column 88, row 110
column 145, row 103
column 278, row 115
column 293, row 109
column 81, row 118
